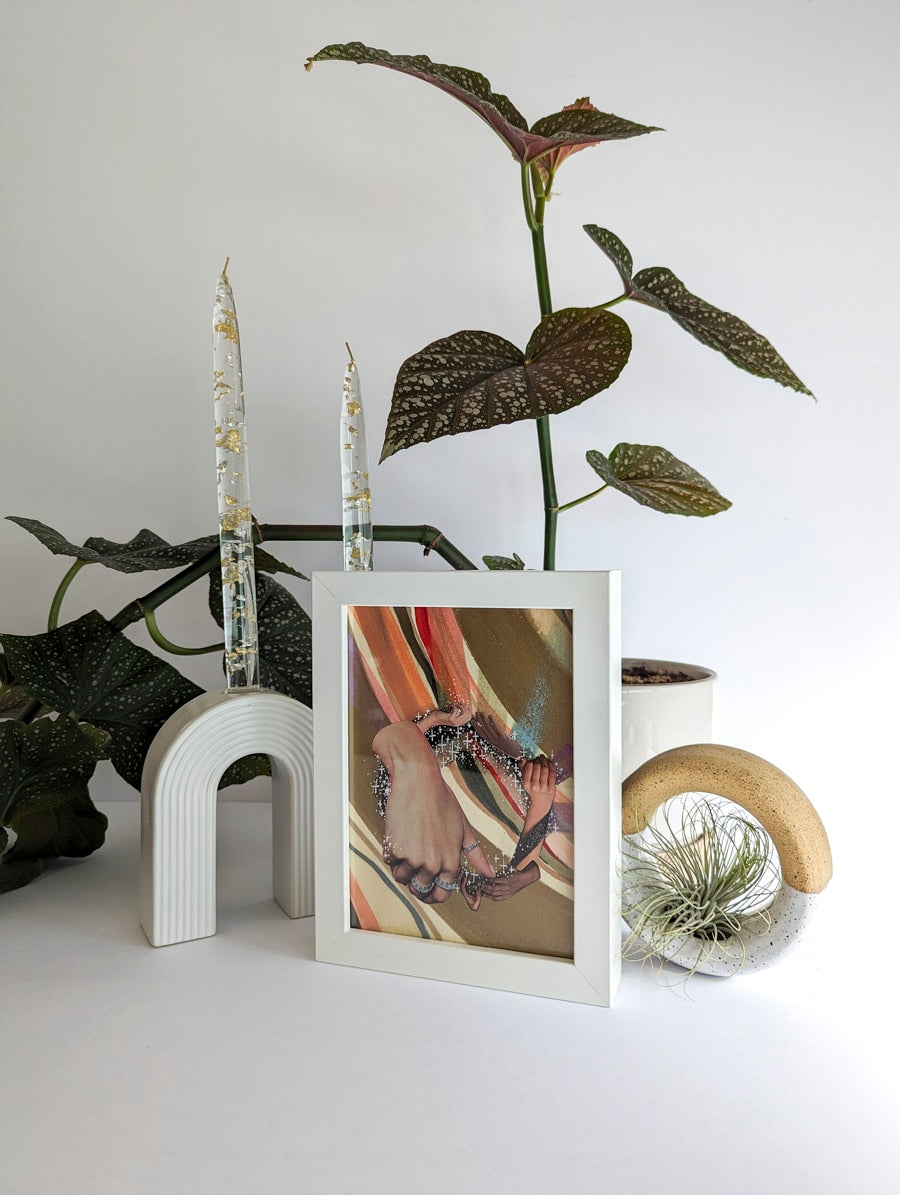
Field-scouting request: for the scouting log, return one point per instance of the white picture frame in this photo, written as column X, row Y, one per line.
column 592, row 972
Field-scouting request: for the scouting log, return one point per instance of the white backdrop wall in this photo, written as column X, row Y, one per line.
column 143, row 143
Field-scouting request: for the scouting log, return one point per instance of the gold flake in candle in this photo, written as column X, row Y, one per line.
column 357, row 497
column 235, row 518
column 231, row 441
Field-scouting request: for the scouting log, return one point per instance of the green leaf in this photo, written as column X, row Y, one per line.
column 146, row 552
column 475, row 380
column 615, row 251
column 658, row 287
column 501, row 563
column 265, row 562
column 285, row 638
column 13, row 700
column 656, row 478
column 73, row 830
column 45, row 764
column 469, row 87
column 244, row 769
column 577, row 128
column 90, row 669
column 16, row 873
column 474, row 90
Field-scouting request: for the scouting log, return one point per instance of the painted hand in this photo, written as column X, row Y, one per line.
column 505, row 886
column 425, row 831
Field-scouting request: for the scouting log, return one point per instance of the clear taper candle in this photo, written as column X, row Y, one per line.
column 357, row 496
column 235, row 520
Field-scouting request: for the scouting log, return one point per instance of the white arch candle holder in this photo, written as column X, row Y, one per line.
column 179, row 789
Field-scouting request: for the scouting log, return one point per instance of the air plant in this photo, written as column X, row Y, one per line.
column 697, row 876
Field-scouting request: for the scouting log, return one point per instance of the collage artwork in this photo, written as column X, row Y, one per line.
column 461, row 778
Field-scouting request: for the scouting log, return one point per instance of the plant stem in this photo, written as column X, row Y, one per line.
column 56, row 604
column 583, row 498
column 527, row 199
column 431, row 539
column 138, row 609
column 545, row 446
column 167, row 645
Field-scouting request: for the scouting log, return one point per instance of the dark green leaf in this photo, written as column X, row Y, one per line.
column 745, row 348
column 89, row 668
column 501, row 563
column 13, row 701
column 73, row 831
column 146, row 552
column 469, row 87
column 476, row 380
column 45, row 764
column 285, row 638
column 264, row 562
column 658, row 287
column 16, row 873
column 614, row 250
column 474, row 90
column 246, row 768
column 580, row 127
column 656, row 478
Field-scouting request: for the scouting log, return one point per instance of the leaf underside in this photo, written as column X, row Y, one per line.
column 504, row 563
column 655, row 478
column 73, row 830
column 658, row 287
column 44, row 770
column 566, row 128
column 476, row 380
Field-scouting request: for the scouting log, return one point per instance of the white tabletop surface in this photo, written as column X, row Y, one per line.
column 239, row 1064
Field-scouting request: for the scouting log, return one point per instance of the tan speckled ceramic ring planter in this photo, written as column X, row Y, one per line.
column 783, row 810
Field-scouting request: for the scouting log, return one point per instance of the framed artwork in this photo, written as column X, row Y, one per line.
column 467, row 789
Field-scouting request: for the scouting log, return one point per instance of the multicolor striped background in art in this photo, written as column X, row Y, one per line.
column 515, row 665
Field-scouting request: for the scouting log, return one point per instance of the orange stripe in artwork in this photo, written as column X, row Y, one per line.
column 446, row 651
column 385, row 649
column 364, row 914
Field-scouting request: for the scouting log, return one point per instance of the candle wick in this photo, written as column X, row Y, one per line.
column 350, row 351
column 225, row 270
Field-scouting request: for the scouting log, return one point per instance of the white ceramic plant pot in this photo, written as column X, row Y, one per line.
column 658, row 717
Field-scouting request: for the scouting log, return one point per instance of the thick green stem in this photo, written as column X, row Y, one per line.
column 431, row 539
column 56, row 604
column 138, row 609
column 545, row 446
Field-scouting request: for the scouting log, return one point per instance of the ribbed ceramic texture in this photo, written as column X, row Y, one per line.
column 178, row 807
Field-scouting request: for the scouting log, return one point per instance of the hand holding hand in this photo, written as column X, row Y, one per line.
column 505, row 886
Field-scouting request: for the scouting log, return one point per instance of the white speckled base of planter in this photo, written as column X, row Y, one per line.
column 179, row 789
column 762, row 940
